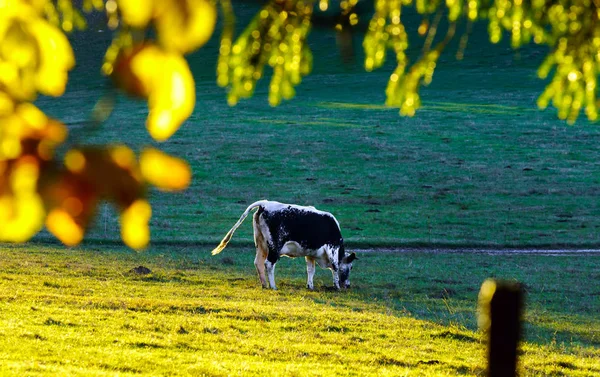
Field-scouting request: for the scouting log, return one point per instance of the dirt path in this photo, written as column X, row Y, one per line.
column 479, row 250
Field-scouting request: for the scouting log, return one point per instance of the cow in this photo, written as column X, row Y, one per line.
column 295, row 231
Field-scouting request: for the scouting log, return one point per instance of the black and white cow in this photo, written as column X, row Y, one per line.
column 295, row 231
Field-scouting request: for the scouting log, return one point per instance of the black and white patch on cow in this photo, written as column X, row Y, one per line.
column 295, row 231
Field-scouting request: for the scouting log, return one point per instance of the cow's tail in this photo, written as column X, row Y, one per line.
column 229, row 234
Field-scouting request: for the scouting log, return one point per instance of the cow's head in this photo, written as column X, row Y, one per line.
column 344, row 270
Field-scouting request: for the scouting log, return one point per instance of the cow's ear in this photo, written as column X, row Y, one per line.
column 351, row 257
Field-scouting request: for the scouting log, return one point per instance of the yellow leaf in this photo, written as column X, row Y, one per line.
column 165, row 172
column 136, row 13
column 144, row 64
column 56, row 58
column 185, row 27
column 33, row 116
column 172, row 98
column 21, row 217
column 135, row 83
column 75, row 161
column 172, row 95
column 134, row 224
column 18, row 46
column 7, row 105
column 35, row 54
column 21, row 208
column 123, row 156
column 60, row 223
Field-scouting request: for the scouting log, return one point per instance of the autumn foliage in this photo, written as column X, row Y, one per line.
column 35, row 187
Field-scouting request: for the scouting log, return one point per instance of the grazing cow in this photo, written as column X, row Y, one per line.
column 295, row 231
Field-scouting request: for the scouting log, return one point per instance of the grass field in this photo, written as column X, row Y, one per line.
column 477, row 166
column 452, row 176
column 82, row 312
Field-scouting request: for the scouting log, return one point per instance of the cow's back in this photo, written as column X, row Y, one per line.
column 305, row 225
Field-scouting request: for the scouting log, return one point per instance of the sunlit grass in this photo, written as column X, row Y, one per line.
column 322, row 123
column 458, row 107
column 82, row 312
column 458, row 178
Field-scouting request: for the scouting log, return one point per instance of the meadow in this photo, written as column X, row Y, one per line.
column 478, row 167
column 86, row 312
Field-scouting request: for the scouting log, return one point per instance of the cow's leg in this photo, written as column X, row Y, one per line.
column 310, row 272
column 336, row 279
column 259, row 263
column 261, row 251
column 271, row 272
column 332, row 256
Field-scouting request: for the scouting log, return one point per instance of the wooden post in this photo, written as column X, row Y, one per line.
column 500, row 307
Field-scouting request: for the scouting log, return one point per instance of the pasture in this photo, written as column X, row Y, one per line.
column 82, row 312
column 479, row 166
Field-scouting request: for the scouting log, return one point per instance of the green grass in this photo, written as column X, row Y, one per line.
column 81, row 312
column 453, row 176
column 479, row 165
